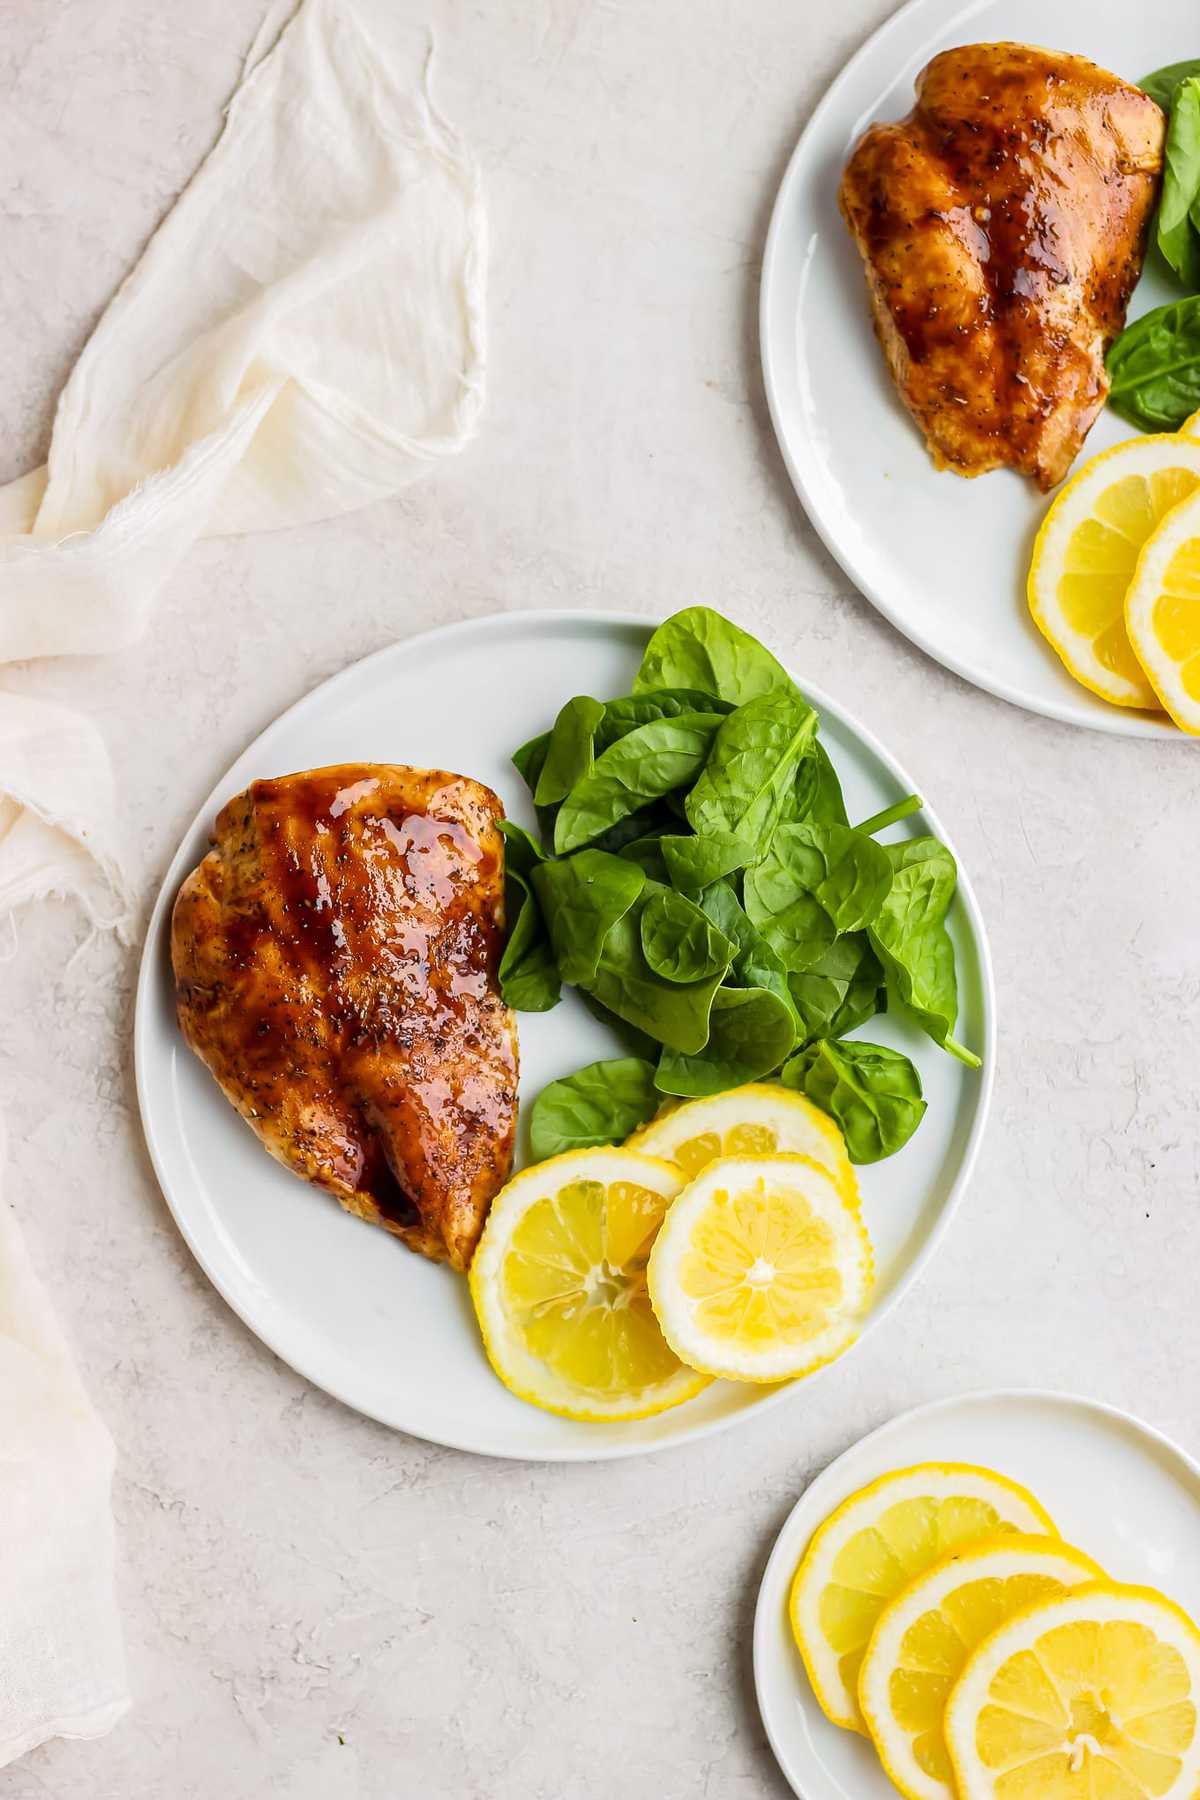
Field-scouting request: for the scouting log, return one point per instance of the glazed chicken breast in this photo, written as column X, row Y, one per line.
column 335, row 958
column 1002, row 226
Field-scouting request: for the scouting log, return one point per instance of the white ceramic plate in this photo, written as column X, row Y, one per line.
column 944, row 559
column 349, row 1307
column 1113, row 1486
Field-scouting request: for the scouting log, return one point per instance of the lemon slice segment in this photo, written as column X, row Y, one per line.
column 762, row 1270
column 1162, row 613
column 761, row 1119
column 559, row 1287
column 1086, row 552
column 878, row 1541
column 923, row 1637
column 1091, row 1693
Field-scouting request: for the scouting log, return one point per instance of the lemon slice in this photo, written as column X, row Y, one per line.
column 559, row 1286
column 923, row 1637
column 762, row 1270
column 757, row 1120
column 1086, row 552
column 1091, row 1693
column 1162, row 612
column 878, row 1541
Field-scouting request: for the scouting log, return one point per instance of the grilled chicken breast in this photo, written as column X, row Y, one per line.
column 335, row 957
column 1002, row 225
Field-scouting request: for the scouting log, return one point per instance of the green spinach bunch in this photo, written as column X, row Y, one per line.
column 699, row 882
column 1154, row 365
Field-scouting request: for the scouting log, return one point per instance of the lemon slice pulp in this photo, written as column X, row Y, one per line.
column 1086, row 553
column 759, row 1119
column 923, row 1637
column 877, row 1542
column 1162, row 613
column 1090, row 1693
column 762, row 1270
column 559, row 1287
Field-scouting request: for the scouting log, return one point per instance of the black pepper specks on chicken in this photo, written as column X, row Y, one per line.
column 1002, row 226
column 335, row 960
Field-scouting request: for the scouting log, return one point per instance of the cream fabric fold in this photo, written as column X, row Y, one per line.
column 303, row 335
column 62, row 1665
column 57, row 811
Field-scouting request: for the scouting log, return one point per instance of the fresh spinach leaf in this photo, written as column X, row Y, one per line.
column 1179, row 199
column 751, row 769
column 843, row 989
column 528, row 973
column 874, row 1094
column 679, row 941
column 522, row 851
column 751, row 1031
column 1154, row 367
column 755, row 964
column 856, row 872
column 817, row 797
column 911, row 940
column 647, row 853
column 643, row 766
column 697, row 648
column 594, row 906
column 569, row 752
column 601, row 1104
column 814, row 883
column 1164, row 84
column 648, row 822
column 787, row 913
column 866, row 993
column 625, row 715
column 530, row 759
column 693, row 863
column 668, row 805
column 581, row 898
column 673, row 1013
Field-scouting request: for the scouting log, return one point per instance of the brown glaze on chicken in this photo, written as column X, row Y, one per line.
column 335, row 956
column 1002, row 226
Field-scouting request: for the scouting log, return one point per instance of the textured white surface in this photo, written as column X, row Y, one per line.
column 290, row 1573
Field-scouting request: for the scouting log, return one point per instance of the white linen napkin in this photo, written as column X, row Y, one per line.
column 304, row 334
column 62, row 1667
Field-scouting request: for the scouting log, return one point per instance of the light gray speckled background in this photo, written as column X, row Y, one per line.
column 289, row 1572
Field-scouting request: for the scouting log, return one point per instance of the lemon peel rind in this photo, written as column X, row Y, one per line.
column 1141, row 598
column 1074, row 649
column 516, row 1367
column 956, row 1479
column 751, row 1104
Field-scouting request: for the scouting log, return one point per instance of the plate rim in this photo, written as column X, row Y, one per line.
column 149, row 972
column 1116, row 721
column 764, row 1622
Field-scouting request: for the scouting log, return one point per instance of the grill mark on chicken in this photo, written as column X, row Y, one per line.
column 1002, row 227
column 335, row 956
